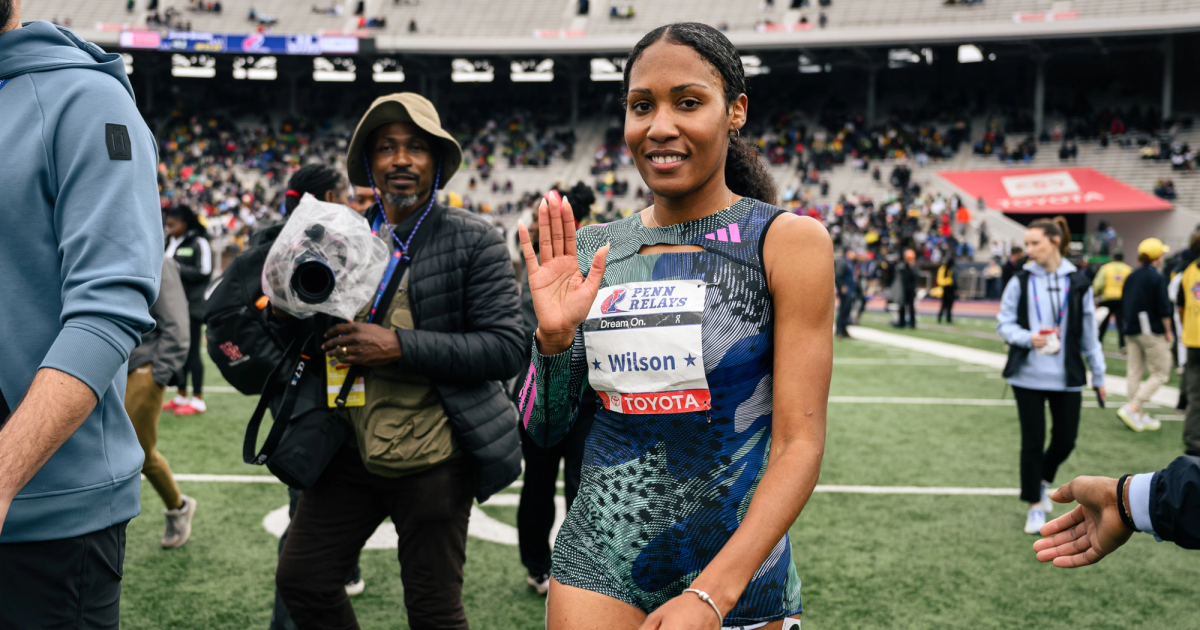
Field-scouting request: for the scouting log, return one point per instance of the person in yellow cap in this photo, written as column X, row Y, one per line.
column 1148, row 317
column 433, row 428
column 1188, row 302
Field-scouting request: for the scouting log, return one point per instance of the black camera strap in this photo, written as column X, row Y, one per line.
column 385, row 303
column 294, row 361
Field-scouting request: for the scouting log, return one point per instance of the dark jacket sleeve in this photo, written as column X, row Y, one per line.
column 491, row 347
column 1165, row 308
column 171, row 316
column 197, row 269
column 1175, row 502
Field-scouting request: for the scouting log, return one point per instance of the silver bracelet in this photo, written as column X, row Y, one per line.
column 708, row 600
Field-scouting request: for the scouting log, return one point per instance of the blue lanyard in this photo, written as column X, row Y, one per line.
column 401, row 251
column 3, row 82
column 393, row 262
column 387, row 279
column 1061, row 307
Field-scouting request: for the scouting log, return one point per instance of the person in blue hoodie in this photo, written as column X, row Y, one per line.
column 81, row 251
column 1048, row 317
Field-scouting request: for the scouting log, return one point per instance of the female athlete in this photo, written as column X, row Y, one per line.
column 681, row 522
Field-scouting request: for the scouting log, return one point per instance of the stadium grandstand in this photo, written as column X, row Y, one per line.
column 944, row 126
column 1028, row 71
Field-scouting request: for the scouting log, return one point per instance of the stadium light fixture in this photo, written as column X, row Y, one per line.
column 605, row 69
column 532, row 71
column 752, row 66
column 901, row 57
column 256, row 69
column 128, row 58
column 387, row 70
column 338, row 69
column 809, row 66
column 467, row 71
column 193, row 66
column 991, row 56
column 969, row 53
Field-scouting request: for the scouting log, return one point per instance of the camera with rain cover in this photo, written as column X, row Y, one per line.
column 325, row 260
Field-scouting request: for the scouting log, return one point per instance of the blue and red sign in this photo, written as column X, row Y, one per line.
column 253, row 43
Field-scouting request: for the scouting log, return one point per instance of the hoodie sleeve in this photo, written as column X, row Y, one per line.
column 1008, row 328
column 106, row 218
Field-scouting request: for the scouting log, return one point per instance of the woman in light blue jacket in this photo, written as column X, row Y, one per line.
column 1047, row 316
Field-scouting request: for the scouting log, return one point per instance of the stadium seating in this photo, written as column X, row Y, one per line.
column 1122, row 163
column 520, row 18
column 888, row 12
column 83, row 15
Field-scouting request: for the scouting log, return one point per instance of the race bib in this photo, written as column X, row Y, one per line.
column 335, row 376
column 644, row 348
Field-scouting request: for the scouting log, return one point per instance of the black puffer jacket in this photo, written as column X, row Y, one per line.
column 468, row 339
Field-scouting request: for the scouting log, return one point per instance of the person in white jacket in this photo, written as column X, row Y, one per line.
column 1047, row 316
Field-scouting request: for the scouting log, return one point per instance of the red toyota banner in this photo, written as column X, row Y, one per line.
column 1042, row 190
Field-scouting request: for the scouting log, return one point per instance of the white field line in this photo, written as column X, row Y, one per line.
column 968, row 402
column 1165, row 396
column 880, row 361
column 999, row 492
column 518, row 484
column 220, row 389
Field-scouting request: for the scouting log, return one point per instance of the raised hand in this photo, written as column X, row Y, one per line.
column 561, row 295
column 1086, row 534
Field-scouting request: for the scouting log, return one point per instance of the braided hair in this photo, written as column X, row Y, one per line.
column 745, row 173
column 314, row 179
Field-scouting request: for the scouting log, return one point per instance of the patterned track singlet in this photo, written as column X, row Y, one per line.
column 661, row 493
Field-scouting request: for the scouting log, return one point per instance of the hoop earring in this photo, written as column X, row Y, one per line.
column 735, row 134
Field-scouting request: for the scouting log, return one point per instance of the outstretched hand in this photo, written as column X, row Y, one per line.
column 561, row 295
column 1086, row 534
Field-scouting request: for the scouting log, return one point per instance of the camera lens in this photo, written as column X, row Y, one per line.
column 313, row 280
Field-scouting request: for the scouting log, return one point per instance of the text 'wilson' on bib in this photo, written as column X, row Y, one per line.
column 644, row 347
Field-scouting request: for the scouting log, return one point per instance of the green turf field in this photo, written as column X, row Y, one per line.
column 866, row 560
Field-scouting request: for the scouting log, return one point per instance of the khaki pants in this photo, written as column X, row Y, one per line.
column 1146, row 351
column 143, row 403
column 1191, row 423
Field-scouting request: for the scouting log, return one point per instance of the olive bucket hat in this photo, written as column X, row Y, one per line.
column 402, row 107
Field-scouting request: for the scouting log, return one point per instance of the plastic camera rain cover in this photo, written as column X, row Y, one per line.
column 333, row 248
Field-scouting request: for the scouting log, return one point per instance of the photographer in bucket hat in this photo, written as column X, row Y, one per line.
column 433, row 427
column 1148, row 319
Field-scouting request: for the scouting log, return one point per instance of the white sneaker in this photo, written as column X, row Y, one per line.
column 356, row 587
column 1150, row 424
column 1046, row 504
column 179, row 523
column 1034, row 521
column 1131, row 419
column 541, row 583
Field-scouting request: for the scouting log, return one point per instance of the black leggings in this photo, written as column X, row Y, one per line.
column 194, row 365
column 949, row 294
column 535, row 514
column 1038, row 465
